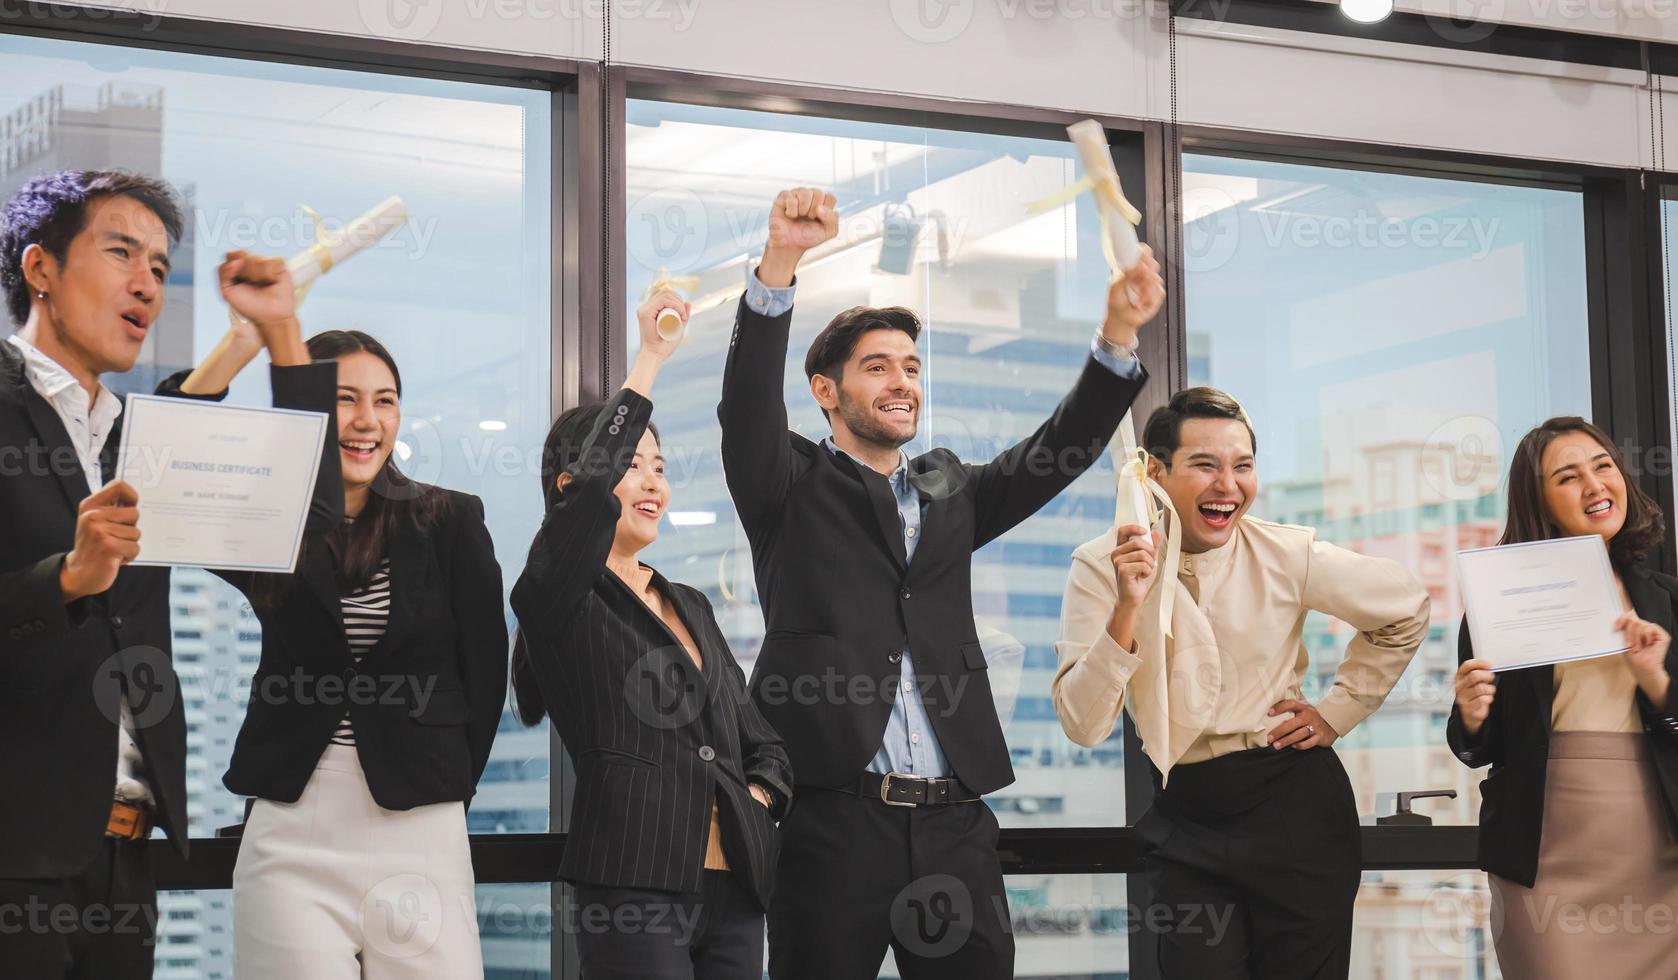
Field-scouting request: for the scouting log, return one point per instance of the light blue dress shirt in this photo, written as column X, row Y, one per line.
column 909, row 744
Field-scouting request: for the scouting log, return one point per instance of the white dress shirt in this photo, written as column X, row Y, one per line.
column 89, row 427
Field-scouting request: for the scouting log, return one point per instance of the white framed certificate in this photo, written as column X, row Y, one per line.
column 1543, row 602
column 221, row 486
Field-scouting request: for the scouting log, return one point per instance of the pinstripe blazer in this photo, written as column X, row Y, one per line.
column 654, row 738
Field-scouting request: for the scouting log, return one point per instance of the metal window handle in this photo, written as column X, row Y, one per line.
column 1404, row 816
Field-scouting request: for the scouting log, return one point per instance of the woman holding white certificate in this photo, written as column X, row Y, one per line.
column 379, row 691
column 1579, row 815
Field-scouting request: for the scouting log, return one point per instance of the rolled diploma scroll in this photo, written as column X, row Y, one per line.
column 331, row 249
column 1118, row 216
column 1135, row 503
column 669, row 319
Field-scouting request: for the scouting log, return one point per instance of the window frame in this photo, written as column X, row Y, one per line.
column 1624, row 281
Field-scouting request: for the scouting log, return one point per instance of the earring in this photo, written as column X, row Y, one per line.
column 42, row 294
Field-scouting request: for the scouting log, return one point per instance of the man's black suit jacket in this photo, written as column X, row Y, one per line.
column 839, row 600
column 63, row 667
column 1515, row 740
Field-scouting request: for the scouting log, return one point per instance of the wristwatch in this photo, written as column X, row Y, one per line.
column 1116, row 350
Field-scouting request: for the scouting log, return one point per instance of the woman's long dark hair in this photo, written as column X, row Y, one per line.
column 559, row 454
column 1529, row 516
column 358, row 548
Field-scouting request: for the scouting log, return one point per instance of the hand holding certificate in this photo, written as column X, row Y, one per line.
column 220, row 486
column 1542, row 602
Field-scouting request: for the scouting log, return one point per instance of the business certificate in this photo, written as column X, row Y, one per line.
column 1544, row 602
column 221, row 486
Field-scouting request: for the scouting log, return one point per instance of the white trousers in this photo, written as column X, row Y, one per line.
column 335, row 887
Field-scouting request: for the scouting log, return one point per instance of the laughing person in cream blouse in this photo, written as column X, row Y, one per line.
column 1253, row 836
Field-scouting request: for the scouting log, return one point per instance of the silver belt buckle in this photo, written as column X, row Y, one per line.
column 885, row 787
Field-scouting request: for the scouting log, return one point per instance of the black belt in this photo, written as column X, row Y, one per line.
column 896, row 789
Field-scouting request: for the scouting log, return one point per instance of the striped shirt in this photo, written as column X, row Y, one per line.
column 366, row 614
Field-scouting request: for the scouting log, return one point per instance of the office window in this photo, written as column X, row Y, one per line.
column 930, row 219
column 1669, row 229
column 1425, row 924
column 1392, row 338
column 936, row 221
column 460, row 295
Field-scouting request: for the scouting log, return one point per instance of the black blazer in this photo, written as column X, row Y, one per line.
column 1515, row 740
column 840, row 601
column 655, row 740
column 425, row 701
column 62, row 667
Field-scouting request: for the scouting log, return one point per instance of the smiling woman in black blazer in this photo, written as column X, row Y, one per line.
column 1580, row 812
column 380, row 687
column 679, row 778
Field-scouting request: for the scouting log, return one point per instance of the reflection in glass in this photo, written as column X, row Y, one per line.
column 935, row 221
column 1435, row 925
column 1392, row 338
column 460, row 295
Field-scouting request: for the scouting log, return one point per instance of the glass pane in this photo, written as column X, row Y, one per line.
column 935, row 221
column 460, row 294
column 1392, row 338
column 1669, row 229
column 1424, row 925
column 194, row 936
column 515, row 925
column 1067, row 927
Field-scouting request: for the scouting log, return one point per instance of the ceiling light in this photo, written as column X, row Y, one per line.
column 1366, row 11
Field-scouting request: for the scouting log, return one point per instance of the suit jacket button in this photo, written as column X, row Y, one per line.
column 116, row 622
column 895, row 656
column 904, row 594
column 707, row 753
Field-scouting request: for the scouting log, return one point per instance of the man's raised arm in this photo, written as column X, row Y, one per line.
column 756, row 456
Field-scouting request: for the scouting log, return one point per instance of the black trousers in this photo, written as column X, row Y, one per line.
column 857, row 877
column 100, row 924
column 639, row 934
column 1253, row 867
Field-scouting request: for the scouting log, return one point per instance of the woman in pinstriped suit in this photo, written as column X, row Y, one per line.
column 672, row 842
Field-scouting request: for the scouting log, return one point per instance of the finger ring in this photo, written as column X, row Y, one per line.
column 1310, row 729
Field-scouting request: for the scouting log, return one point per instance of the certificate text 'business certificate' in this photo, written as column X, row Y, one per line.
column 221, row 486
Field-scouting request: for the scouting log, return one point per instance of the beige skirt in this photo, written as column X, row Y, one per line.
column 1605, row 903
